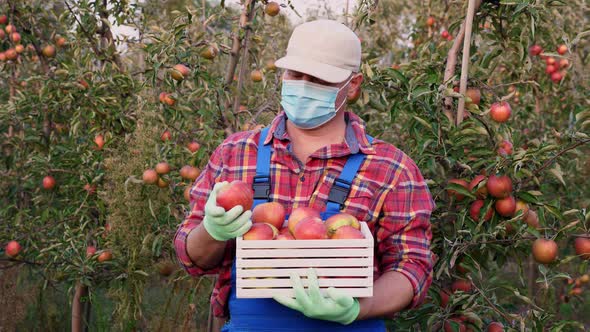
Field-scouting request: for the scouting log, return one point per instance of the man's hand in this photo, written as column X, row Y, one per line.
column 336, row 307
column 225, row 225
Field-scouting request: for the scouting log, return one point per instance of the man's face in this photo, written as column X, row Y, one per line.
column 355, row 83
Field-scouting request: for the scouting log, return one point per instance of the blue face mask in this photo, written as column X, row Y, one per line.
column 309, row 105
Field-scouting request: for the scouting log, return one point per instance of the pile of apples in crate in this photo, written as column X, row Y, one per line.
column 304, row 223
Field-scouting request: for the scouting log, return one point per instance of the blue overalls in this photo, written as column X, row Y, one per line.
column 267, row 315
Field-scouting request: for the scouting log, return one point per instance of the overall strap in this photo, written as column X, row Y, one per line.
column 341, row 187
column 261, row 184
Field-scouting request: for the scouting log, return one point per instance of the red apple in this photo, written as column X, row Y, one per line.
column 12, row 249
column 582, row 246
column 532, row 219
column 499, row 186
column 298, row 214
column 500, row 112
column 430, row 21
column 505, row 148
column 284, row 230
column 495, row 327
column 347, row 232
column 99, row 141
column 269, row 212
column 482, row 191
column 475, row 209
column 444, row 297
column 166, row 136
column 261, row 231
column 535, row 50
column 444, row 34
column 310, row 228
column 104, row 256
column 180, row 72
column 550, row 69
column 285, row 236
column 521, row 206
column 505, row 206
column 563, row 63
column 461, row 285
column 562, row 49
column 189, row 172
column 449, row 326
column 3, row 19
column 235, row 193
column 15, row 37
column 163, row 168
column 341, row 219
column 90, row 250
column 193, row 146
column 557, row 76
column 474, row 94
column 48, row 182
column 544, row 251
column 459, row 197
column 550, row 61
column 150, row 176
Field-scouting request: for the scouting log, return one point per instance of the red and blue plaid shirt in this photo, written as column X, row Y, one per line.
column 388, row 192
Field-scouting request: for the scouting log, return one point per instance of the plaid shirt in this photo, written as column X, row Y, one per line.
column 389, row 193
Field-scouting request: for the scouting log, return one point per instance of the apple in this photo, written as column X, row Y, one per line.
column 235, row 193
column 256, row 75
column 210, row 52
column 104, row 256
column 310, row 228
column 550, row 61
column 15, row 37
column 495, row 327
column 3, row 19
column 461, row 285
column 11, row 54
column 284, row 230
column 544, row 251
column 298, row 214
column 261, row 231
column 475, row 209
column 563, row 63
column 162, row 168
column 582, row 246
column 521, row 206
column 162, row 183
column 166, row 135
column 2, row 55
column 285, row 236
column 48, row 182
column 169, row 100
column 585, row 278
column 479, row 182
column 83, row 83
column 557, row 76
column 505, row 206
column 90, row 250
column 180, row 72
column 341, row 219
column 270, row 66
column 562, row 49
column 193, row 146
column 550, row 69
column 532, row 219
column 10, row 28
column 347, row 232
column 576, row 291
column 162, row 97
column 459, row 197
column 189, row 172
column 99, row 141
column 474, row 94
column 535, row 50
column 150, row 176
column 444, row 297
column 48, row 51
column 60, row 41
column 499, row 186
column 449, row 37
column 187, row 193
column 12, row 248
column 90, row 188
column 430, row 21
column 500, row 112
column 272, row 8
column 505, row 148
column 444, row 34
column 449, row 326
column 270, row 212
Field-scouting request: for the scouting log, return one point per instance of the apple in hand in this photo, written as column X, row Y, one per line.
column 235, row 193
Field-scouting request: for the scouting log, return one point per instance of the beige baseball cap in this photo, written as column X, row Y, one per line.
column 326, row 49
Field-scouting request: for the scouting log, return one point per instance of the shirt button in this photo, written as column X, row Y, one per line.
column 302, row 178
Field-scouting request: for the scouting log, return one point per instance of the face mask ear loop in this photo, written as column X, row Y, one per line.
column 344, row 101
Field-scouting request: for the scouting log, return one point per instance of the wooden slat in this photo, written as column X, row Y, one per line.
column 334, row 271
column 286, row 282
column 305, row 262
column 301, row 253
column 269, row 293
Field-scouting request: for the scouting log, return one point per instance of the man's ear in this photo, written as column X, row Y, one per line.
column 355, row 86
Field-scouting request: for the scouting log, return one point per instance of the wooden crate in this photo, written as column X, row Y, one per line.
column 263, row 267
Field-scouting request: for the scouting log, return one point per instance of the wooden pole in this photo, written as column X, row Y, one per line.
column 465, row 61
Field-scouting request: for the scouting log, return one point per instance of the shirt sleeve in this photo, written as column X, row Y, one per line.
column 198, row 197
column 405, row 232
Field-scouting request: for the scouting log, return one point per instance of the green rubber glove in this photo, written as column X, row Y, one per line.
column 225, row 225
column 336, row 307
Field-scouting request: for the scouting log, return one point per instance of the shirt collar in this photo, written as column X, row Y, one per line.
column 355, row 132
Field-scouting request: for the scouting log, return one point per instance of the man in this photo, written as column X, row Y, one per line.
column 310, row 143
